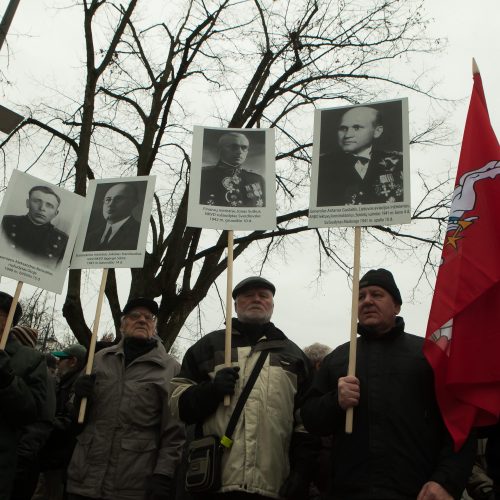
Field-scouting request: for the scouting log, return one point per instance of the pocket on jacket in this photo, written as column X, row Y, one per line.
column 79, row 465
column 145, row 403
column 136, row 461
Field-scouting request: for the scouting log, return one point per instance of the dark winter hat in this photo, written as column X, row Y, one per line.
column 25, row 335
column 149, row 304
column 253, row 282
column 384, row 279
column 77, row 351
column 5, row 302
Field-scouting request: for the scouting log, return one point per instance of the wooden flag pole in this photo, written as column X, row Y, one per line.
column 351, row 370
column 10, row 316
column 229, row 305
column 93, row 339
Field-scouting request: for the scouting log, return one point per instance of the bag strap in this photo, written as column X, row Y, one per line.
column 226, row 440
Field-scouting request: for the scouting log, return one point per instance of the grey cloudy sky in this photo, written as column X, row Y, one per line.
column 45, row 53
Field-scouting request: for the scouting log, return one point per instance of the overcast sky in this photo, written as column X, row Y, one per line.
column 45, row 51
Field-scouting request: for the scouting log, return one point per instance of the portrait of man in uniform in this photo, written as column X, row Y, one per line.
column 112, row 224
column 355, row 166
column 34, row 234
column 227, row 183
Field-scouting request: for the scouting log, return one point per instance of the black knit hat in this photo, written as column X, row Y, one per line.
column 253, row 282
column 5, row 303
column 384, row 279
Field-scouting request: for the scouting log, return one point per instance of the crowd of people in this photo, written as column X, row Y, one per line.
column 277, row 413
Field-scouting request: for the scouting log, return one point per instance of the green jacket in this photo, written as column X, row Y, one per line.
column 21, row 403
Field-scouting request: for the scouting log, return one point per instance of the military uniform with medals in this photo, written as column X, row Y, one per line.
column 226, row 186
column 42, row 241
column 340, row 184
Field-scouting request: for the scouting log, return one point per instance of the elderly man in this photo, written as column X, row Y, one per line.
column 268, row 440
column 360, row 173
column 399, row 448
column 227, row 184
column 118, row 230
column 131, row 444
column 23, row 394
column 33, row 233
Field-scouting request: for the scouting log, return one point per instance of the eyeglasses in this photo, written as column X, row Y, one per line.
column 135, row 315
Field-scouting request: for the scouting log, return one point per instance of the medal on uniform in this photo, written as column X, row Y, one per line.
column 231, row 184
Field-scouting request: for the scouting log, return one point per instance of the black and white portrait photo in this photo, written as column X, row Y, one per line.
column 233, row 169
column 361, row 155
column 115, row 223
column 232, row 180
column 38, row 229
column 35, row 233
column 116, row 214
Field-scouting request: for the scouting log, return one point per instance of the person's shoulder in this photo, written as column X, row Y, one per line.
column 416, row 340
column 23, row 355
column 251, row 175
column 333, row 158
column 212, row 338
column 388, row 159
column 132, row 222
column 58, row 234
column 208, row 169
column 9, row 220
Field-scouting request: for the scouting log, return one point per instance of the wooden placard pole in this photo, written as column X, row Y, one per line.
column 93, row 339
column 351, row 370
column 229, row 305
column 10, row 316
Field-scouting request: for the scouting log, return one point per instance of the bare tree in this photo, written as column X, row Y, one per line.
column 246, row 63
column 40, row 314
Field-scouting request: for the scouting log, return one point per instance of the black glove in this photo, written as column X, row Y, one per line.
column 158, row 487
column 225, row 381
column 84, row 386
column 6, row 373
column 295, row 487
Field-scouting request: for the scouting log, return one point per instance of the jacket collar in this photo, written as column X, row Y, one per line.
column 396, row 331
column 155, row 355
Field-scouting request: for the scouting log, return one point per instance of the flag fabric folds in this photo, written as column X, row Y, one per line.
column 463, row 331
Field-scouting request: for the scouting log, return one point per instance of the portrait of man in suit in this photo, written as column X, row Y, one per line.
column 357, row 170
column 34, row 233
column 114, row 227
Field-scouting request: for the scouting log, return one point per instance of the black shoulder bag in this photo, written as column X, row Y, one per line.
column 204, row 459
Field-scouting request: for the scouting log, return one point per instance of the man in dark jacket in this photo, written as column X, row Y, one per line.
column 56, row 454
column 399, row 448
column 270, row 455
column 34, row 435
column 23, row 392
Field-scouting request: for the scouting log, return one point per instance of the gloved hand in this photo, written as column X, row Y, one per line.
column 84, row 386
column 225, row 381
column 158, row 487
column 295, row 487
column 6, row 373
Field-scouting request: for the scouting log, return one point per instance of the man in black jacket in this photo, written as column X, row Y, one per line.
column 56, row 454
column 399, row 448
column 23, row 393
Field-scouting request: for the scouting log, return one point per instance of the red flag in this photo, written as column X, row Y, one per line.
column 463, row 331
